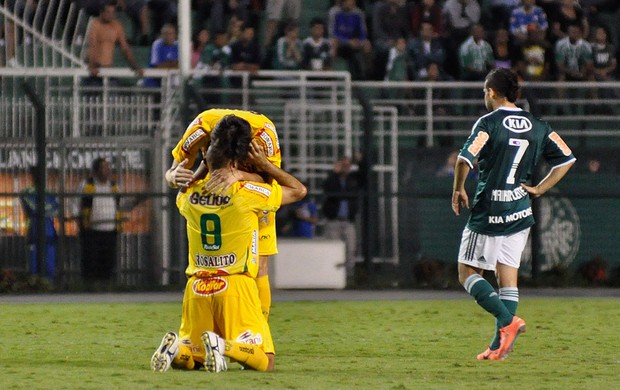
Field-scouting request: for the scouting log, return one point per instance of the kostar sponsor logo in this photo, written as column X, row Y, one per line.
column 211, row 286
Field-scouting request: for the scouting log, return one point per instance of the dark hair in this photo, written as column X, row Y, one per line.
column 504, row 82
column 96, row 165
column 107, row 3
column 230, row 141
column 317, row 20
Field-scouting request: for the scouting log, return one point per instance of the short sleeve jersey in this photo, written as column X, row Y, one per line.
column 197, row 134
column 508, row 143
column 222, row 230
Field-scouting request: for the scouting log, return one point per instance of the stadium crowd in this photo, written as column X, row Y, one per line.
column 391, row 39
column 406, row 40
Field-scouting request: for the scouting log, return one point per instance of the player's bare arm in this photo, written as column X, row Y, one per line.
column 178, row 176
column 292, row 189
column 459, row 195
column 556, row 174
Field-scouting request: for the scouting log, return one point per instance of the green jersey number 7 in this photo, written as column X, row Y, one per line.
column 521, row 145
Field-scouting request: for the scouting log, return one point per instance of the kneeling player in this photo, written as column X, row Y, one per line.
column 221, row 309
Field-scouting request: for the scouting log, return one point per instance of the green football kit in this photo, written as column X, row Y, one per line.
column 508, row 144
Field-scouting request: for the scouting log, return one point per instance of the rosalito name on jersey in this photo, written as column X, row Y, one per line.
column 215, row 261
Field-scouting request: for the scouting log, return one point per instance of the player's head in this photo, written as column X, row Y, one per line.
column 230, row 142
column 500, row 83
column 101, row 169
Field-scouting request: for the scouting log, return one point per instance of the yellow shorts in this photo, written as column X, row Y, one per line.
column 267, row 243
column 227, row 305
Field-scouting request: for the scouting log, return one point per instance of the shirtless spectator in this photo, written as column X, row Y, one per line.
column 104, row 34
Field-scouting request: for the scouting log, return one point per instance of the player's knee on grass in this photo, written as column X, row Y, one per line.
column 184, row 359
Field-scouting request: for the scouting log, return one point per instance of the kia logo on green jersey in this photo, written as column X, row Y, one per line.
column 517, row 124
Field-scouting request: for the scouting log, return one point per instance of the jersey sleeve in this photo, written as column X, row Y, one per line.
column 189, row 145
column 267, row 197
column 555, row 151
column 475, row 142
column 268, row 138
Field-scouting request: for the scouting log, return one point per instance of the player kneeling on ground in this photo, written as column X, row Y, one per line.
column 222, row 314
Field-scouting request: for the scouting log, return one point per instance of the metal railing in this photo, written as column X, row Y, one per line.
column 317, row 117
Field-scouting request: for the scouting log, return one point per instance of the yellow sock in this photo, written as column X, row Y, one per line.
column 184, row 358
column 264, row 294
column 247, row 354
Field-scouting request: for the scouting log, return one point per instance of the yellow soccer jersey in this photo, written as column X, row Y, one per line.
column 197, row 134
column 222, row 230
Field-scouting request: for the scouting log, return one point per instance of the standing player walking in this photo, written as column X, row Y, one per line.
column 508, row 143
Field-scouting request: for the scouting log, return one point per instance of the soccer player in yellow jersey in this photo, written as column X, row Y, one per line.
column 221, row 310
column 196, row 139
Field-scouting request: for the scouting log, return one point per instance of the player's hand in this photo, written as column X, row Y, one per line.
column 219, row 183
column 533, row 191
column 257, row 156
column 459, row 199
column 180, row 176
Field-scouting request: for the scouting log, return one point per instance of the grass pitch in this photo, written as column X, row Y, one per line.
column 569, row 344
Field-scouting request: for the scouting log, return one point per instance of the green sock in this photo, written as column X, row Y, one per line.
column 510, row 298
column 487, row 298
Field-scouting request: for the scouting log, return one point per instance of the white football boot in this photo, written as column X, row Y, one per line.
column 165, row 353
column 214, row 352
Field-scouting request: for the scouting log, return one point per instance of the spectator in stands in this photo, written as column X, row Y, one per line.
column 447, row 170
column 524, row 18
column 389, row 23
column 603, row 55
column 604, row 13
column 476, row 55
column 349, row 37
column 200, row 39
column 500, row 11
column 426, row 11
column 162, row 12
column 536, row 56
column 216, row 55
column 316, row 48
column 7, row 33
column 604, row 65
column 279, row 11
column 594, row 166
column 304, row 218
column 573, row 58
column 400, row 65
column 165, row 50
column 425, row 49
column 100, row 208
column 441, row 107
column 138, row 11
column 164, row 53
column 534, row 64
column 104, row 34
column 289, row 49
column 245, row 52
column 341, row 190
column 234, row 29
column 459, row 17
column 29, row 205
column 214, row 15
column 504, row 51
column 566, row 13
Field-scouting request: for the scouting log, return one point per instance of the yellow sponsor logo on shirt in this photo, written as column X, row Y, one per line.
column 211, row 286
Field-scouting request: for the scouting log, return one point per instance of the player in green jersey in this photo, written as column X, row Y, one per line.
column 508, row 143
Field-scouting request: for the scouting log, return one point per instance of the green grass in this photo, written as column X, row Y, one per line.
column 569, row 344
